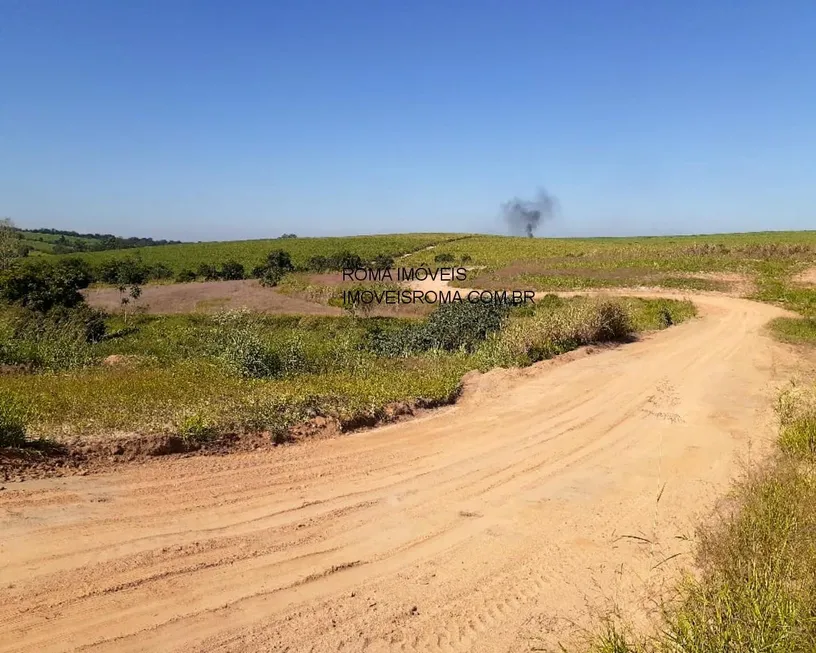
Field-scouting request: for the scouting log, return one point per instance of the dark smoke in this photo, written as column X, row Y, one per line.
column 525, row 216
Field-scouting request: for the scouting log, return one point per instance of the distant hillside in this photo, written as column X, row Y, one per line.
column 58, row 241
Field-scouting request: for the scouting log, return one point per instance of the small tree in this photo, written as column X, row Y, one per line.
column 127, row 294
column 278, row 263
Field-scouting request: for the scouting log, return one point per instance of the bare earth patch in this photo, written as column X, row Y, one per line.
column 513, row 277
column 807, row 278
column 210, row 296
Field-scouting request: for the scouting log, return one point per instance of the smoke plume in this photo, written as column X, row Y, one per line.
column 524, row 216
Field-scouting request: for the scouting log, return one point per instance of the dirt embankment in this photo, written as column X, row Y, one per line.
column 491, row 525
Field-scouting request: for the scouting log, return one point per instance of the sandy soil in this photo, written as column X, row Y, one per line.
column 808, row 277
column 212, row 296
column 209, row 296
column 494, row 525
column 733, row 283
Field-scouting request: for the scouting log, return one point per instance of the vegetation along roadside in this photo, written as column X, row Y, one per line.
column 204, row 380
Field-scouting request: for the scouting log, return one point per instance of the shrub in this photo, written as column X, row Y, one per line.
column 345, row 260
column 195, row 427
column 271, row 277
column 207, row 272
column 451, row 327
column 461, row 325
column 123, row 271
column 41, row 285
column 13, row 419
column 383, row 261
column 241, row 349
column 318, row 264
column 159, row 271
column 86, row 323
column 561, row 328
column 232, row 270
column 280, row 259
column 278, row 263
column 444, row 258
column 185, row 276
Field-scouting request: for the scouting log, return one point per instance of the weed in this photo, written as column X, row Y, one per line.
column 195, row 427
column 14, row 416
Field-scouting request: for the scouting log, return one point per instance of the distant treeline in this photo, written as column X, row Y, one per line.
column 93, row 242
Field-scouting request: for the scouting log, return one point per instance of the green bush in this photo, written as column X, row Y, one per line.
column 383, row 262
column 207, row 272
column 159, row 271
column 43, row 284
column 345, row 260
column 195, row 427
column 123, row 271
column 461, row 325
column 232, row 271
column 278, row 263
column 451, row 327
column 318, row 264
column 241, row 349
column 186, row 276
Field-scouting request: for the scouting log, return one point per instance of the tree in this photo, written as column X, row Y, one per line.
column 278, row 263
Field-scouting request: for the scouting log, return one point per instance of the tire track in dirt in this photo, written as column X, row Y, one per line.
column 491, row 525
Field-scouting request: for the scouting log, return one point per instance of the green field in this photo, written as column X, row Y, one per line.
column 44, row 243
column 253, row 252
column 666, row 261
column 241, row 371
column 693, row 262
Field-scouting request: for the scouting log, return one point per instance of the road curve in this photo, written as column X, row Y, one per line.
column 497, row 524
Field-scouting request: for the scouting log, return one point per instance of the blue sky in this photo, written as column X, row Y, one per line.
column 223, row 120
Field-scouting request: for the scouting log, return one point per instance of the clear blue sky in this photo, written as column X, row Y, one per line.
column 235, row 119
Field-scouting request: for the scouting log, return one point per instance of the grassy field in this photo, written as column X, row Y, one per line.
column 758, row 265
column 253, row 252
column 240, row 371
column 710, row 262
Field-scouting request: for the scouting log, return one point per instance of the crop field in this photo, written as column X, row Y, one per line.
column 252, row 252
column 712, row 262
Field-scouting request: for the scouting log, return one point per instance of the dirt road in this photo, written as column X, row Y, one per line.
column 489, row 526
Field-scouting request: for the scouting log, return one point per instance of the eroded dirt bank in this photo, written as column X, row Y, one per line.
column 488, row 526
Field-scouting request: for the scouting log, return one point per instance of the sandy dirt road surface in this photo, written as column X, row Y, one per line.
column 493, row 525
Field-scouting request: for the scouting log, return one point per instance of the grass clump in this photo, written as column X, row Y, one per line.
column 14, row 417
column 241, row 349
column 795, row 330
column 196, row 427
